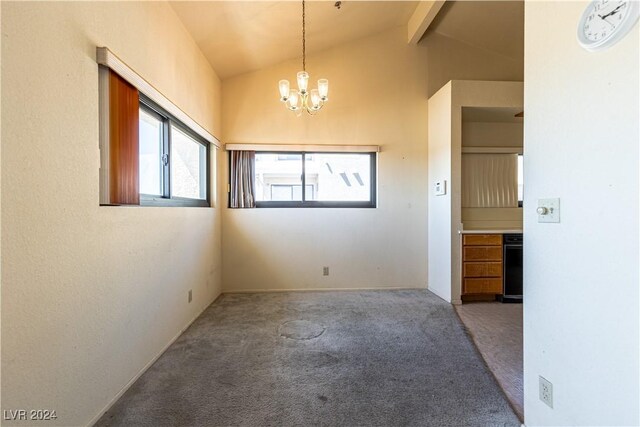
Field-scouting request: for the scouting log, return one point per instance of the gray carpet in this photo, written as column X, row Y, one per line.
column 379, row 358
column 496, row 329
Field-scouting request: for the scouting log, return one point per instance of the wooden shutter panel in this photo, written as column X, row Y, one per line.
column 123, row 142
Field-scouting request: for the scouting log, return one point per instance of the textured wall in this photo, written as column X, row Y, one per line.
column 581, row 312
column 91, row 294
column 379, row 91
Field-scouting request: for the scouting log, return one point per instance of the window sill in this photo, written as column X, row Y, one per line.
column 158, row 201
column 348, row 205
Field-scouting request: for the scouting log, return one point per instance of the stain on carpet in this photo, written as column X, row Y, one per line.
column 300, row 330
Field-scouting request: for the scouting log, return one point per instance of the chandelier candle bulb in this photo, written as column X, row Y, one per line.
column 303, row 81
column 293, row 100
column 323, row 89
column 284, row 90
column 315, row 99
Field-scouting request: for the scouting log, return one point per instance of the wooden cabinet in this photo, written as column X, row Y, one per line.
column 482, row 253
column 482, row 269
column 482, row 239
column 481, row 264
column 483, row 286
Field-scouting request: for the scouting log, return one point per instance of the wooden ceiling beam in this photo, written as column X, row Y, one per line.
column 422, row 17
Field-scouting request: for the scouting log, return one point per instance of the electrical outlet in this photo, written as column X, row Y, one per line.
column 325, row 271
column 190, row 295
column 546, row 391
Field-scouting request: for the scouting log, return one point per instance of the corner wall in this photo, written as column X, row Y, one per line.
column 445, row 164
column 581, row 302
column 90, row 294
column 379, row 86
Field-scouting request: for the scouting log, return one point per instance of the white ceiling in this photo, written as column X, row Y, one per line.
column 241, row 36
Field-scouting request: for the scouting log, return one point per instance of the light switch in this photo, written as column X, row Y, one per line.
column 440, row 188
column 548, row 210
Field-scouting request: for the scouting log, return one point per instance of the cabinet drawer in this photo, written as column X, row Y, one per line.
column 482, row 239
column 482, row 253
column 482, row 286
column 482, row 269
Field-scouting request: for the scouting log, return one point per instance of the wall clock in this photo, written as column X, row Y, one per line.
column 606, row 22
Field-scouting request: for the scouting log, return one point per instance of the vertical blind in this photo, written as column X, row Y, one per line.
column 123, row 142
column 489, row 180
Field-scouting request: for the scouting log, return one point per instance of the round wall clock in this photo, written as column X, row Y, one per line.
column 606, row 22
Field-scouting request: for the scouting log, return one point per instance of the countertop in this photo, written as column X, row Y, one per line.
column 496, row 231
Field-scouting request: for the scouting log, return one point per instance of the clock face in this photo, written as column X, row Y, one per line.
column 605, row 22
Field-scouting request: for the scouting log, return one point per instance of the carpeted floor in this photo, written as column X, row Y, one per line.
column 378, row 358
column 496, row 329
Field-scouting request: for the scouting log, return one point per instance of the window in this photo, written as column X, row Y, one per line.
column 520, row 180
column 151, row 149
column 151, row 152
column 173, row 160
column 315, row 180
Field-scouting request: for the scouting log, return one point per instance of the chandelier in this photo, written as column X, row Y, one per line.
column 303, row 99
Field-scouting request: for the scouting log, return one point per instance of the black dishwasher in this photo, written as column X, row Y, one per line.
column 512, row 258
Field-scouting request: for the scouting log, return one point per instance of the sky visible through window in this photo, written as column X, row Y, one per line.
column 150, row 148
column 520, row 177
column 187, row 166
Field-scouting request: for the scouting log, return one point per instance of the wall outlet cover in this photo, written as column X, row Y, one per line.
column 440, row 188
column 325, row 271
column 546, row 391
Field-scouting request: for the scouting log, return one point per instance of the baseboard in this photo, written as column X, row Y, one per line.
column 255, row 291
column 148, row 365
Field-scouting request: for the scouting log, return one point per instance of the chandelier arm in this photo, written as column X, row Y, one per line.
column 309, row 109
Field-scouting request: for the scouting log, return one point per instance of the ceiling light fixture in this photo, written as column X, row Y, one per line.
column 303, row 99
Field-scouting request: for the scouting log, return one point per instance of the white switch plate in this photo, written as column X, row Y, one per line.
column 553, row 210
column 440, row 188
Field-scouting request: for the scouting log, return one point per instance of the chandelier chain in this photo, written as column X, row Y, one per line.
column 304, row 47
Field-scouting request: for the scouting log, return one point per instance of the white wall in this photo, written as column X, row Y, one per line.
column 581, row 313
column 445, row 163
column 440, row 207
column 91, row 294
column 378, row 96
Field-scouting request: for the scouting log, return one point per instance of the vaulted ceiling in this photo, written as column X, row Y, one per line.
column 241, row 36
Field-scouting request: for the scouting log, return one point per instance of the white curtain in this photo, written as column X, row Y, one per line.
column 489, row 180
